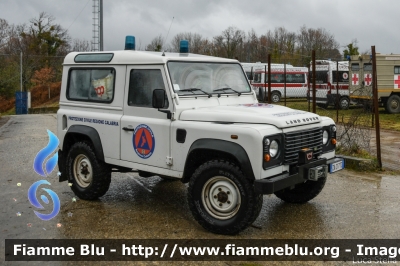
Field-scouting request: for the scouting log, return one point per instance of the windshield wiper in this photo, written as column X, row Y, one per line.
column 227, row 88
column 197, row 89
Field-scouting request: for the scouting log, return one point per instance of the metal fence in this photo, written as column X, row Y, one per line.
column 327, row 93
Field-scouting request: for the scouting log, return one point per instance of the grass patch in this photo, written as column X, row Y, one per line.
column 9, row 112
column 355, row 152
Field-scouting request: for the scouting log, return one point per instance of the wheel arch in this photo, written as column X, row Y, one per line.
column 78, row 133
column 203, row 150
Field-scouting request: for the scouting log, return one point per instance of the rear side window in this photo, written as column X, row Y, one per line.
column 368, row 66
column 397, row 69
column 355, row 67
column 92, row 85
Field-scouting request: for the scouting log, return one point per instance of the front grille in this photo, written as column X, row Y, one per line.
column 295, row 141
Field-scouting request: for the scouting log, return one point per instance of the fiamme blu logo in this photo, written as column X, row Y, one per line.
column 44, row 163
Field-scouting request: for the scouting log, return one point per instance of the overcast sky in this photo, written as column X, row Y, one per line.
column 371, row 22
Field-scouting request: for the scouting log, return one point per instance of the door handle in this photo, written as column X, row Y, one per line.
column 128, row 129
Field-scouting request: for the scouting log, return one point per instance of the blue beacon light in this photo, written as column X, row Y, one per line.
column 130, row 43
column 184, row 47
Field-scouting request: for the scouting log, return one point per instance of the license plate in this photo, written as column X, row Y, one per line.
column 334, row 167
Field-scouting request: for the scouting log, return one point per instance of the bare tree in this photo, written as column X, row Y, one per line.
column 4, row 33
column 79, row 45
column 195, row 42
column 315, row 39
column 230, row 43
column 156, row 44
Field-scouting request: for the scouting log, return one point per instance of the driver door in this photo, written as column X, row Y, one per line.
column 145, row 131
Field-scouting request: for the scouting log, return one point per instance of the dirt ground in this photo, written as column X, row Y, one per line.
column 390, row 149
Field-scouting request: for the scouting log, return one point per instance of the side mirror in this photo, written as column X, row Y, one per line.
column 158, row 98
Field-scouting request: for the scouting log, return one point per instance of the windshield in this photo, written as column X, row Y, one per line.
column 190, row 78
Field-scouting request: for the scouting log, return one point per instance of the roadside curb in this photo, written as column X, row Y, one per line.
column 358, row 163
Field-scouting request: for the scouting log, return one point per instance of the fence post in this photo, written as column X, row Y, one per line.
column 337, row 91
column 314, row 101
column 376, row 108
column 269, row 78
column 265, row 83
column 284, row 79
column 308, row 85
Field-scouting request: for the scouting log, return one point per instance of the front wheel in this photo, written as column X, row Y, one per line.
column 89, row 176
column 222, row 199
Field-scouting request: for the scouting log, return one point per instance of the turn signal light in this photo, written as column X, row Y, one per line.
column 267, row 157
column 333, row 141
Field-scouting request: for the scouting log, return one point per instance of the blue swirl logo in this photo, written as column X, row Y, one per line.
column 44, row 169
column 44, row 153
column 34, row 201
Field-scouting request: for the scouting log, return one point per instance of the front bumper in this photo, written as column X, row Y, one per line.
column 276, row 183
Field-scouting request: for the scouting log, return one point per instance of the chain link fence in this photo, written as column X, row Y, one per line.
column 331, row 96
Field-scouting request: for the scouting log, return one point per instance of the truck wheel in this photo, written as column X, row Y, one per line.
column 90, row 177
column 222, row 199
column 275, row 97
column 344, row 103
column 303, row 192
column 393, row 104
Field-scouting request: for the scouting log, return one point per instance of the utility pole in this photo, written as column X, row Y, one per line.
column 101, row 26
column 97, row 42
column 21, row 70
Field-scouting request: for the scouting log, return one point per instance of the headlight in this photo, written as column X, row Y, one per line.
column 272, row 154
column 325, row 137
column 273, row 148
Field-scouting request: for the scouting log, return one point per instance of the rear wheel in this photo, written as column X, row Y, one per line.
column 89, row 176
column 275, row 97
column 344, row 103
column 393, row 105
column 222, row 199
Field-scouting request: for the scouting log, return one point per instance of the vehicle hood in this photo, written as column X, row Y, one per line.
column 258, row 113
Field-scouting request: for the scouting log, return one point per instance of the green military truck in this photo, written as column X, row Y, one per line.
column 388, row 80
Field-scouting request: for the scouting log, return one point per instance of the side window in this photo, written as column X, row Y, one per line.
column 92, row 85
column 397, row 69
column 257, row 78
column 343, row 76
column 142, row 82
column 295, row 78
column 276, row 78
column 355, row 67
column 368, row 66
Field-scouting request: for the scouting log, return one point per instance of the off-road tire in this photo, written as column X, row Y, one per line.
column 244, row 212
column 275, row 97
column 344, row 103
column 82, row 153
column 303, row 192
column 392, row 105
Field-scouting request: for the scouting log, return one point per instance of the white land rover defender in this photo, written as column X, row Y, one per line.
column 193, row 118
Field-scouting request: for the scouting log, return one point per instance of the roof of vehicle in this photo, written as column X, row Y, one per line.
column 145, row 57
